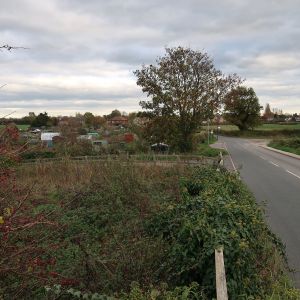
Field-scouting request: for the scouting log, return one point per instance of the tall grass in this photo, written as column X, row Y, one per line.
column 122, row 223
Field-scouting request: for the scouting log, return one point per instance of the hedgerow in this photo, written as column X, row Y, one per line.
column 217, row 209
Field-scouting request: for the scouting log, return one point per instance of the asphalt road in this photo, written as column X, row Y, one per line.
column 275, row 180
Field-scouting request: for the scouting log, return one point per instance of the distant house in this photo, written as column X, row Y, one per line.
column 117, row 121
column 47, row 138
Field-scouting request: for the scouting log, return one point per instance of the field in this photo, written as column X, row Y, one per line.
column 111, row 230
column 22, row 127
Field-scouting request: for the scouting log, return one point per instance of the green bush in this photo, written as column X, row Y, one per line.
column 217, row 209
column 38, row 154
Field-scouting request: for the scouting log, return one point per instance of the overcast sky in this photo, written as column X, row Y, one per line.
column 83, row 52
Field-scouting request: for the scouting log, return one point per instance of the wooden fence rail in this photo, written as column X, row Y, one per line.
column 187, row 159
column 221, row 285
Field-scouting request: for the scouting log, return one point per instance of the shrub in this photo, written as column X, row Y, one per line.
column 217, row 209
column 38, row 154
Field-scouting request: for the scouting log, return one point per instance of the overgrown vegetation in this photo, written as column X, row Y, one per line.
column 289, row 145
column 121, row 231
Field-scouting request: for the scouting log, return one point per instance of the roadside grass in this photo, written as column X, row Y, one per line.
column 283, row 290
column 149, row 232
column 263, row 131
column 206, row 150
column 263, row 127
column 291, row 145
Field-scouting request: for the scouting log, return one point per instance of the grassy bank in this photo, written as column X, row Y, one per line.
column 265, row 130
column 263, row 127
column 291, row 145
column 144, row 232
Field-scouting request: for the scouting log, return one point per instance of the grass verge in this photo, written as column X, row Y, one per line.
column 291, row 145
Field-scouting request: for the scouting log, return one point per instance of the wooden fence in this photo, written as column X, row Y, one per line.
column 151, row 158
column 221, row 286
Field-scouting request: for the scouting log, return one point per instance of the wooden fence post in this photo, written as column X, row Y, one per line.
column 221, row 285
column 221, row 161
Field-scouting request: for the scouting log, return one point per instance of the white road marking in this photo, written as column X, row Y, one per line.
column 235, row 170
column 293, row 174
column 273, row 164
column 262, row 157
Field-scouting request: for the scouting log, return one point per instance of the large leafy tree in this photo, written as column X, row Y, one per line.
column 184, row 88
column 89, row 119
column 242, row 108
column 41, row 120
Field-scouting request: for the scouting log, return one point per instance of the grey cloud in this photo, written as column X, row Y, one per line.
column 74, row 40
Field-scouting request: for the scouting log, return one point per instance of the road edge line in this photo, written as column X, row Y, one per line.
column 235, row 169
column 293, row 174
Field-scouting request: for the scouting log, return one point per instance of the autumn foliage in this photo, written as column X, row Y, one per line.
column 25, row 239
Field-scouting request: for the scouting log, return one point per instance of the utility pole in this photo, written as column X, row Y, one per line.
column 207, row 131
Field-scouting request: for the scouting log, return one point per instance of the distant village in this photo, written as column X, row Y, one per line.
column 83, row 134
column 89, row 134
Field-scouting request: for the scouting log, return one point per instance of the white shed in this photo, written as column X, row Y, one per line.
column 46, row 137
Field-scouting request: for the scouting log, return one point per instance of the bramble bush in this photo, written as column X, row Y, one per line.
column 25, row 239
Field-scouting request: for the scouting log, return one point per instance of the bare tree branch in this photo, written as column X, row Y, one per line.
column 8, row 115
column 9, row 48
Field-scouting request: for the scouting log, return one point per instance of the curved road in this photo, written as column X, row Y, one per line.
column 274, row 179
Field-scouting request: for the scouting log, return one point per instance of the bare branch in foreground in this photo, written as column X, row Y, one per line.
column 9, row 48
